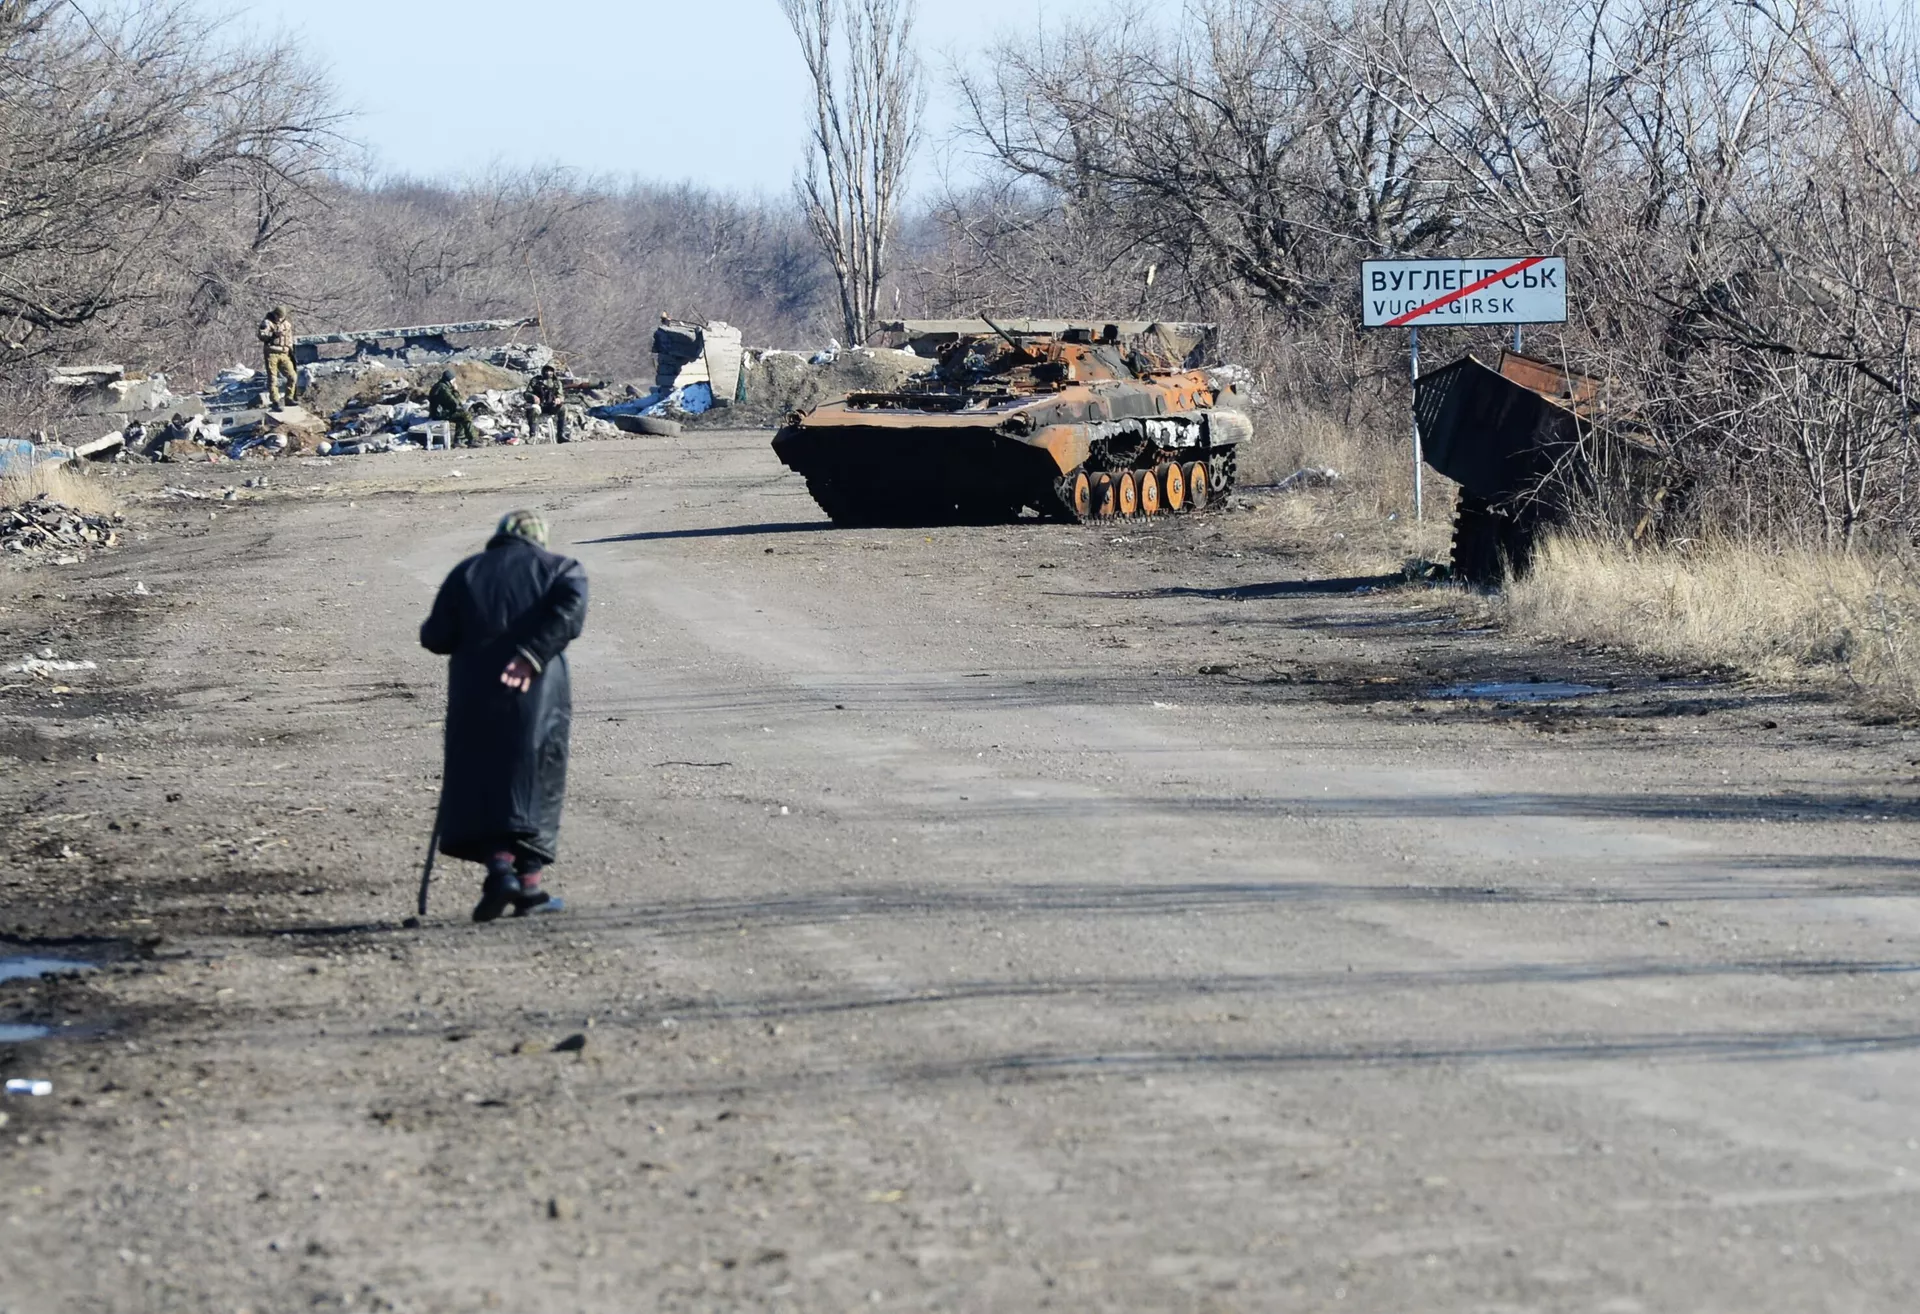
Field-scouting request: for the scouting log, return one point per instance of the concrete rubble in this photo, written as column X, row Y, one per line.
column 110, row 389
column 703, row 373
column 364, row 391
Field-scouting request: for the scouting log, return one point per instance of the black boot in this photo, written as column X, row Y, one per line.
column 501, row 890
column 532, row 898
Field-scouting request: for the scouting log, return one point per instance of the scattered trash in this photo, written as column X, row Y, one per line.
column 27, row 1086
column 48, row 664
column 1308, row 477
column 43, row 525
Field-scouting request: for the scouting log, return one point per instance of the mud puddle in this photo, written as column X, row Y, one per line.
column 27, row 967
column 1519, row 691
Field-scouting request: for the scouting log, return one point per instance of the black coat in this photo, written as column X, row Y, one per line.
column 506, row 767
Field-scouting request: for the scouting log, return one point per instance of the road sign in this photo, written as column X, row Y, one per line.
column 1492, row 290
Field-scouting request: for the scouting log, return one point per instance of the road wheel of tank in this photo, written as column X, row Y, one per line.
column 1199, row 486
column 1080, row 495
column 1222, row 466
column 1173, row 485
column 1102, row 487
column 1149, row 492
column 1126, row 494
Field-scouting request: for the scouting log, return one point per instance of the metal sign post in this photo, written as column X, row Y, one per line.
column 1406, row 294
column 1419, row 458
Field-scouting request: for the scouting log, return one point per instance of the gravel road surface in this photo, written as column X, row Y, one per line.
column 1028, row 917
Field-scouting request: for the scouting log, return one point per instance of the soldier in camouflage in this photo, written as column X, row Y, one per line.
column 444, row 403
column 276, row 338
column 547, row 395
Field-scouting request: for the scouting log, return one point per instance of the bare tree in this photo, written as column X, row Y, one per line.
column 1733, row 182
column 868, row 99
column 125, row 140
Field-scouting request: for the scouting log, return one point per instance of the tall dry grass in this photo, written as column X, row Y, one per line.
column 1779, row 614
column 69, row 487
column 1361, row 523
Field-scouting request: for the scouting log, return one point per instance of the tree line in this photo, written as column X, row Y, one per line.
column 1735, row 185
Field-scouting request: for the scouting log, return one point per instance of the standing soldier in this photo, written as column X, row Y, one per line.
column 443, row 403
column 547, row 395
column 276, row 337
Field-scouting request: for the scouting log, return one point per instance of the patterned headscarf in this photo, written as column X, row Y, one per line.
column 523, row 524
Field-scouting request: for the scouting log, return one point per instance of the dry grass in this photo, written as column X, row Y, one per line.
column 1792, row 614
column 69, row 487
column 1363, row 523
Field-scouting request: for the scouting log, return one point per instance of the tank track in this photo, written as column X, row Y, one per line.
column 1223, row 468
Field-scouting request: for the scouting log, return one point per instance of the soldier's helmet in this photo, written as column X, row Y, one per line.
column 279, row 312
column 550, row 369
column 446, row 376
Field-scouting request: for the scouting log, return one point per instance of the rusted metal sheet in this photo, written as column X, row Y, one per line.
column 1024, row 414
column 1527, row 442
column 1579, row 393
column 1492, row 434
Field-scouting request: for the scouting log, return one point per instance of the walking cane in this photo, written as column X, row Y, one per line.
column 426, row 872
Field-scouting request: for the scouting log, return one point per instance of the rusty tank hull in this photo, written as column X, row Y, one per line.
column 1070, row 421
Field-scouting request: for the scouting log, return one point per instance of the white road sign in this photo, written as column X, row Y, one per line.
column 1493, row 290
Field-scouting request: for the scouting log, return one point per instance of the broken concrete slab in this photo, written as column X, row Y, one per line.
column 101, row 448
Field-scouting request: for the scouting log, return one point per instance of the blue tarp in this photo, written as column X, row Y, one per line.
column 693, row 399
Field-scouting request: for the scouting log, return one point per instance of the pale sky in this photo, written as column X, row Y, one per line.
column 703, row 90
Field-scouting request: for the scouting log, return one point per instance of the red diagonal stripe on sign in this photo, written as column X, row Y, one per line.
column 1469, row 290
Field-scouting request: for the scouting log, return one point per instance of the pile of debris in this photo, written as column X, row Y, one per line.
column 42, row 526
column 704, row 376
column 697, row 368
column 110, row 389
column 365, row 390
column 318, row 357
column 774, row 384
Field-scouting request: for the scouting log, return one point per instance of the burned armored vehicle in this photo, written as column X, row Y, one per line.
column 1069, row 420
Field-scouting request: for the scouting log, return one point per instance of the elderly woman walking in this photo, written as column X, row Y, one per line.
column 505, row 617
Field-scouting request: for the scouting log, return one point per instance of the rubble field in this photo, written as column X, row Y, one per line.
column 374, row 399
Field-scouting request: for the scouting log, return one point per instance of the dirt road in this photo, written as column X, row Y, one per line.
column 994, row 919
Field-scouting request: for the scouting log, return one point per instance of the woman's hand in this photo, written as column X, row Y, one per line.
column 519, row 675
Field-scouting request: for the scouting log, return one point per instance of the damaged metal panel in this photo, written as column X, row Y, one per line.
column 1529, row 442
column 1495, row 435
